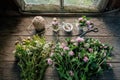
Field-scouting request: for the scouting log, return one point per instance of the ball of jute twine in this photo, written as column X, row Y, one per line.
column 39, row 24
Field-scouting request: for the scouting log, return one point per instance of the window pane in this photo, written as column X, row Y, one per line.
column 80, row 2
column 80, row 5
column 67, row 5
column 43, row 5
column 42, row 1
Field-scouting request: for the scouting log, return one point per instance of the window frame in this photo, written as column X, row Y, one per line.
column 22, row 7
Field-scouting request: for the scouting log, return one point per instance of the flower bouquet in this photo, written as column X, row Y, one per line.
column 32, row 54
column 80, row 59
column 84, row 24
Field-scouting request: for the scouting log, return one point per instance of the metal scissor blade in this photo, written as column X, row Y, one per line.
column 85, row 32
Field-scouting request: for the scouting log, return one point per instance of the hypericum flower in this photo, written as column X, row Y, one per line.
column 62, row 53
column 72, row 40
column 71, row 53
column 105, row 47
column 88, row 22
column 46, row 46
column 86, row 45
column 101, row 47
column 90, row 27
column 80, row 19
column 16, row 42
column 49, row 61
column 53, row 47
column 63, row 45
column 75, row 44
column 90, row 50
column 51, row 54
column 109, row 64
column 85, row 59
column 23, row 40
column 104, row 54
column 14, row 51
column 78, row 55
column 37, row 42
column 66, row 48
column 71, row 73
column 79, row 39
column 29, row 53
column 28, row 38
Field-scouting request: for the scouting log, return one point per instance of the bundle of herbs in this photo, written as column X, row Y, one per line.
column 31, row 54
column 81, row 58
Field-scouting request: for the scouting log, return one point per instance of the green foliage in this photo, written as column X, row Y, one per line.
column 31, row 54
column 83, row 21
column 79, row 2
column 81, row 59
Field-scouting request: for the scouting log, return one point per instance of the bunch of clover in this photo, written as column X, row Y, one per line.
column 80, row 58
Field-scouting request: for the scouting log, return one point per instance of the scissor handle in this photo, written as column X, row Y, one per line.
column 92, row 30
column 95, row 30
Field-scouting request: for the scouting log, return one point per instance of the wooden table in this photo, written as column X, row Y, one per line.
column 14, row 28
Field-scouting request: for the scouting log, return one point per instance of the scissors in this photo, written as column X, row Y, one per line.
column 89, row 30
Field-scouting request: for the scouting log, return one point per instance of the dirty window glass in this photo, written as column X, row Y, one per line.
column 42, row 1
column 80, row 5
column 63, row 5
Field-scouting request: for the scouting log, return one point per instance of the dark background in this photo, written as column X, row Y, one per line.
column 7, row 5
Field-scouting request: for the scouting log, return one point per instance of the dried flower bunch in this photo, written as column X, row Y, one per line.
column 80, row 59
column 32, row 54
column 85, row 22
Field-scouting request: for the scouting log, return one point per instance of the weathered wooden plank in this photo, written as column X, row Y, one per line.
column 10, row 71
column 51, row 74
column 112, row 74
column 7, row 46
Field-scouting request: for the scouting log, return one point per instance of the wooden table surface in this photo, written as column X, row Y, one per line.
column 14, row 28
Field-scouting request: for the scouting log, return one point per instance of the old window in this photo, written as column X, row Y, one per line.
column 62, row 5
